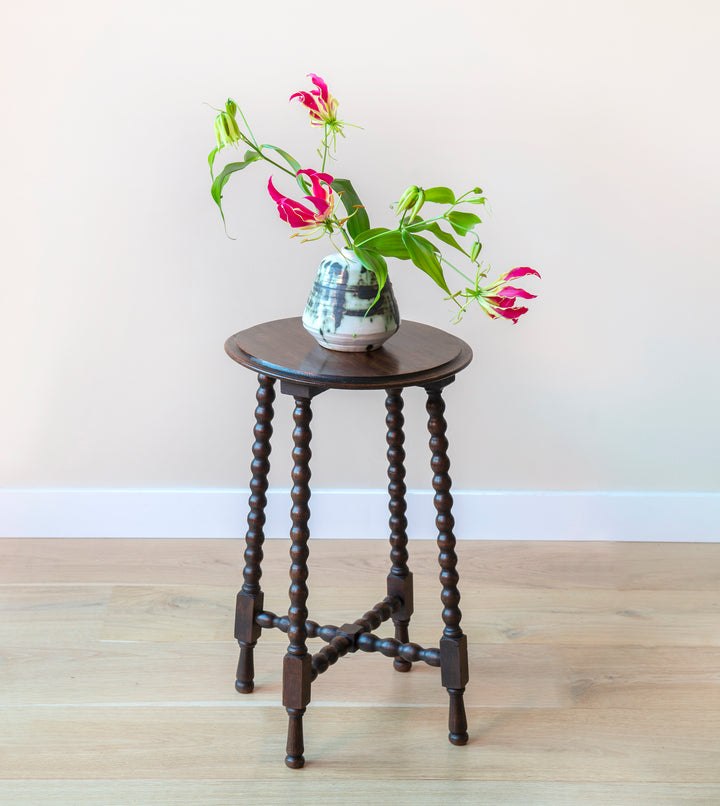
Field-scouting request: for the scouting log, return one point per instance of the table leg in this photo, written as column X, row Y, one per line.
column 297, row 663
column 250, row 597
column 400, row 580
column 453, row 644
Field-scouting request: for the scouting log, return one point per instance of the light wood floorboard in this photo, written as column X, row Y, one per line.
column 595, row 678
column 311, row 791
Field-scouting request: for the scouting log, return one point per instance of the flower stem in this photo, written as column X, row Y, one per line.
column 345, row 236
column 325, row 148
column 462, row 274
column 267, row 159
column 252, row 136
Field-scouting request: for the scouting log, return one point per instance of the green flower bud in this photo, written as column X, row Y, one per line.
column 408, row 199
column 227, row 132
column 419, row 201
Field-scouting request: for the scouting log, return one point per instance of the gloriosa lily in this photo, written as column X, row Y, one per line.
column 298, row 215
column 320, row 104
column 499, row 299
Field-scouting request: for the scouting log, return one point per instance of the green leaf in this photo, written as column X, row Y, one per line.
column 462, row 223
column 423, row 256
column 387, row 242
column 222, row 178
column 374, row 263
column 358, row 221
column 211, row 160
column 440, row 234
column 440, row 195
column 370, row 234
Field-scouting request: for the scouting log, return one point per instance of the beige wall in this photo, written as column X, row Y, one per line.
column 592, row 127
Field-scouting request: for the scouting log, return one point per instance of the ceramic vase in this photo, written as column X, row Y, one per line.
column 340, row 313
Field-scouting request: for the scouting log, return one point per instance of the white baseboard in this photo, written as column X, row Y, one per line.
column 349, row 514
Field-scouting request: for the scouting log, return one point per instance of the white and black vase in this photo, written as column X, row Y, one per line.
column 340, row 313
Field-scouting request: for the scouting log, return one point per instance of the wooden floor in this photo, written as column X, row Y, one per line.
column 595, row 678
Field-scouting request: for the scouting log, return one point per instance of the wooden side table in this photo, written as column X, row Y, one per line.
column 417, row 355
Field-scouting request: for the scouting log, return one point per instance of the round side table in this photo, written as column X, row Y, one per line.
column 417, row 355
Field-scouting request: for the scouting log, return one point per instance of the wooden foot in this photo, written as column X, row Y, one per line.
column 295, row 746
column 247, row 632
column 245, row 677
column 457, row 723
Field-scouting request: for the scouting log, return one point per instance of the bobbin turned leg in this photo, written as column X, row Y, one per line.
column 297, row 663
column 250, row 598
column 400, row 580
column 453, row 644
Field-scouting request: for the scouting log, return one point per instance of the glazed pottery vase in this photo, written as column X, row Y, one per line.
column 340, row 313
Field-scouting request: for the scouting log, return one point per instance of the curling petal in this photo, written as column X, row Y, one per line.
column 520, row 271
column 510, row 291
column 511, row 313
column 322, row 89
column 307, row 100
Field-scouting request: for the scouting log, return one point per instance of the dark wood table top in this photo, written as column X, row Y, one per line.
column 417, row 355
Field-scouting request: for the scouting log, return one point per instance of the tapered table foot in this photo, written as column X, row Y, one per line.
column 457, row 722
column 244, row 679
column 295, row 745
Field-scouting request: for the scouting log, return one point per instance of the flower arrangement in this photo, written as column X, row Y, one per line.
column 322, row 215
